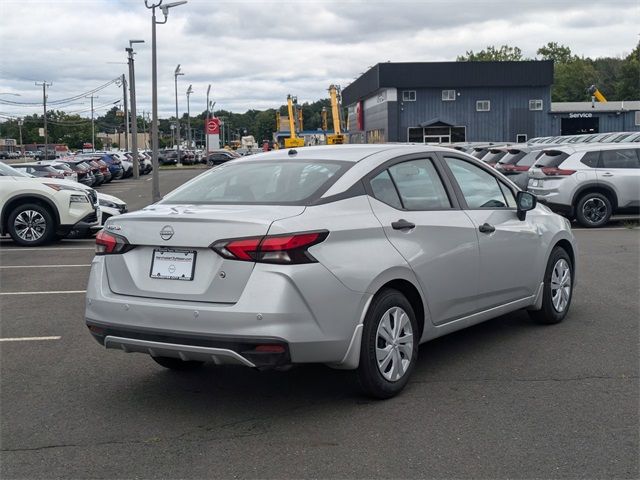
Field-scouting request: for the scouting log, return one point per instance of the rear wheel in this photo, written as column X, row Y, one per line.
column 557, row 290
column 593, row 210
column 389, row 348
column 31, row 225
column 177, row 364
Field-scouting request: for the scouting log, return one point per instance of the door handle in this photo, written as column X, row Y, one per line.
column 486, row 228
column 607, row 174
column 402, row 224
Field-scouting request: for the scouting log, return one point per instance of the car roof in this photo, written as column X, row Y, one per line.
column 346, row 153
column 586, row 147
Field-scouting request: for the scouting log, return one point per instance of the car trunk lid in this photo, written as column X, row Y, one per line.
column 186, row 232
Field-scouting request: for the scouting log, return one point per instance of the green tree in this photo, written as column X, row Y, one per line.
column 491, row 53
column 628, row 85
column 572, row 79
column 555, row 52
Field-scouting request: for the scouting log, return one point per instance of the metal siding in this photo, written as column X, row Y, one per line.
column 480, row 126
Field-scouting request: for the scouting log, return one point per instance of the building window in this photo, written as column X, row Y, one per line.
column 638, row 118
column 409, row 96
column 521, row 138
column 535, row 104
column 483, row 106
column 415, row 135
column 448, row 95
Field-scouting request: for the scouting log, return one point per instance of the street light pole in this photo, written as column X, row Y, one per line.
column 154, row 89
column 189, row 92
column 20, row 123
column 175, row 76
column 44, row 103
column 206, row 125
column 134, row 114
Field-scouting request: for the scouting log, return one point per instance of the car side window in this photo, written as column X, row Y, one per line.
column 479, row 188
column 627, row 158
column 384, row 190
column 419, row 185
column 591, row 159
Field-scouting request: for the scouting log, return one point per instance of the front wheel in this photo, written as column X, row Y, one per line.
column 389, row 349
column 557, row 289
column 31, row 225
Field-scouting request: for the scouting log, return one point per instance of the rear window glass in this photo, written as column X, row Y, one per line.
column 551, row 158
column 528, row 159
column 512, row 157
column 260, row 182
column 494, row 156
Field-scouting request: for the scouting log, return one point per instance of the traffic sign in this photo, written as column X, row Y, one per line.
column 213, row 126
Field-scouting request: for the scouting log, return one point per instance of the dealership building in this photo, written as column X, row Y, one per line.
column 442, row 102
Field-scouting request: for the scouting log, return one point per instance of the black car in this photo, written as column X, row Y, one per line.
column 217, row 157
column 168, row 157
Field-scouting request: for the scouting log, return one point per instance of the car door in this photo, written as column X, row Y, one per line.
column 424, row 222
column 510, row 249
column 620, row 170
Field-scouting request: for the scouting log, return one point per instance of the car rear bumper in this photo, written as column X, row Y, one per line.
column 309, row 312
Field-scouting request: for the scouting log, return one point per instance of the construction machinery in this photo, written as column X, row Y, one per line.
column 338, row 137
column 593, row 91
column 293, row 141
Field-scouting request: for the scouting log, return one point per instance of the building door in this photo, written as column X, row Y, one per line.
column 437, row 139
column 577, row 126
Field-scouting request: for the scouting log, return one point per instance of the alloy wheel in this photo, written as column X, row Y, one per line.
column 594, row 210
column 30, row 225
column 560, row 285
column 394, row 344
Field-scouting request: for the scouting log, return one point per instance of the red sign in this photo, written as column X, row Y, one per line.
column 213, row 126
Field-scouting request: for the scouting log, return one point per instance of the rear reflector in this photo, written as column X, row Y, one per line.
column 270, row 349
column 282, row 249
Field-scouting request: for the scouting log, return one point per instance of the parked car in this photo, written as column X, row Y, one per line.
column 589, row 182
column 64, row 169
column 82, row 170
column 493, row 156
column 34, row 211
column 114, row 164
column 517, row 162
column 216, row 157
column 167, row 157
column 346, row 255
column 38, row 170
column 110, row 206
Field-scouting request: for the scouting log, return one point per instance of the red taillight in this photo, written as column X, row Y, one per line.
column 513, row 168
column 282, row 249
column 108, row 243
column 554, row 171
column 270, row 349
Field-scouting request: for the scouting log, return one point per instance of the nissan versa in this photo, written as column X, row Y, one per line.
column 348, row 255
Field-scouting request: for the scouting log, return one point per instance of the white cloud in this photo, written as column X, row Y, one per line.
column 255, row 52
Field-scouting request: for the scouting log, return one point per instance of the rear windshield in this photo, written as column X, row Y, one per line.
column 529, row 159
column 261, row 182
column 512, row 157
column 493, row 156
column 551, row 158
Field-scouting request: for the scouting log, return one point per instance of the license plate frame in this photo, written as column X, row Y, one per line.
column 180, row 271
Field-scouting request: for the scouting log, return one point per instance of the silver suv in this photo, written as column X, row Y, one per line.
column 588, row 182
column 347, row 255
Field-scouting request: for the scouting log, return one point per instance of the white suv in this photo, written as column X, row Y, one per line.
column 35, row 211
column 588, row 181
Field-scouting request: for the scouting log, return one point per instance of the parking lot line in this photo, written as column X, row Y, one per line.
column 29, row 339
column 4, row 267
column 52, row 292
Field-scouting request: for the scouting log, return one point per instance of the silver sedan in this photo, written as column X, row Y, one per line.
column 351, row 256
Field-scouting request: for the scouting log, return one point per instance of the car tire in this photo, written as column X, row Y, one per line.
column 177, row 364
column 390, row 325
column 43, row 230
column 593, row 210
column 557, row 291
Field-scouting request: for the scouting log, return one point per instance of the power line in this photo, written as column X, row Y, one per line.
column 62, row 101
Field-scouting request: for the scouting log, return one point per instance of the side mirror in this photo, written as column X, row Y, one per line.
column 525, row 201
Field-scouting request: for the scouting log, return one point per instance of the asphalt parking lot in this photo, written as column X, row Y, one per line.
column 505, row 399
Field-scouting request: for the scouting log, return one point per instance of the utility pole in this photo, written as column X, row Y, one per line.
column 126, row 114
column 189, row 92
column 134, row 114
column 206, row 125
column 175, row 75
column 93, row 125
column 20, row 123
column 44, row 85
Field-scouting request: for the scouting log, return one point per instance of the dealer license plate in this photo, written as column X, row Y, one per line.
column 173, row 264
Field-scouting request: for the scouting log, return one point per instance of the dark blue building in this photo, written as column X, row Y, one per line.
column 450, row 102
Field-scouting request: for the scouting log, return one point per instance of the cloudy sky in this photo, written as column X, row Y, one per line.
column 255, row 52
